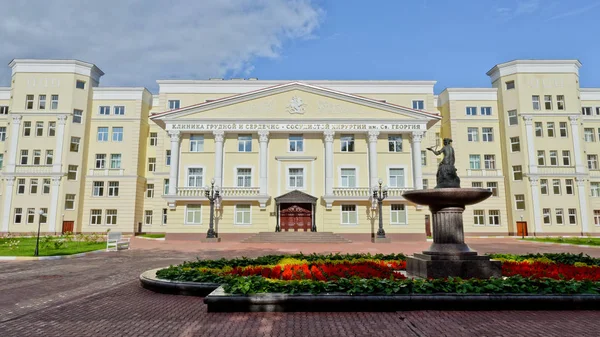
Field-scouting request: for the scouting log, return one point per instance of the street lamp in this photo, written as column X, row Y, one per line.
column 212, row 194
column 37, row 243
column 379, row 194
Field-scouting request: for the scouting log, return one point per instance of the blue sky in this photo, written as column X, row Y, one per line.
column 136, row 42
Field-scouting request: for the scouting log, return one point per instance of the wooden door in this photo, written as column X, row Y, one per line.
column 68, row 226
column 522, row 228
column 297, row 217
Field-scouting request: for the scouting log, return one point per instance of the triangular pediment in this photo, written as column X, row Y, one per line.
column 296, row 196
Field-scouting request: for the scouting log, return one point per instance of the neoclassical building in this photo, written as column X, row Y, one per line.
column 294, row 156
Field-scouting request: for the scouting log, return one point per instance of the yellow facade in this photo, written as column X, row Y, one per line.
column 122, row 158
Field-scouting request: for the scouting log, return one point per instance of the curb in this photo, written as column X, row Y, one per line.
column 562, row 244
column 155, row 239
column 149, row 281
column 53, row 257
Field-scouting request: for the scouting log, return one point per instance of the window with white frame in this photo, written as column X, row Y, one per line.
column 113, row 188
column 77, row 116
column 559, row 216
column 98, row 189
column 173, row 104
column 494, row 217
column 49, row 157
column 296, row 143
column 547, row 216
column 486, row 110
column 164, row 216
column 588, row 135
column 395, row 143
column 569, row 188
column 168, row 157
column 37, row 157
column 513, row 119
column 473, row 134
column 43, row 215
column 562, row 127
column 196, row 143
column 398, row 214
column 148, row 217
column 510, row 85
column 597, row 217
column 119, row 110
column 520, row 201
column 79, row 84
column 541, row 157
column 517, row 172
column 195, row 177
column 115, row 161
column 592, row 161
column 54, row 102
column 75, row 144
column 560, row 102
column 548, row 102
column 598, row 111
column 46, row 186
column 478, row 217
column 100, row 160
column 535, row 102
column 425, row 184
column 102, row 134
column 477, row 184
column 397, row 177
column 193, row 214
column 244, row 177
column 149, row 190
column 553, row 158
column 471, row 111
column 69, row 201
column 154, row 139
column 3, row 109
column 475, row 162
column 111, row 216
column 39, row 129
column 348, row 177
column 152, row 164
column 556, row 186
column 244, row 143
column 349, row 215
column 26, row 129
column 24, row 157
column 42, row 102
column 539, row 129
column 21, row 186
column 104, row 110
column 1, row 160
column 487, row 134
column 515, row 144
column 493, row 186
column 566, row 156
column 347, row 143
column 544, row 186
column 30, row 215
column 72, row 173
column 295, row 178
column 96, row 217
column 418, row 104
column 550, row 129
column 437, row 139
column 29, row 102
column 595, row 188
column 18, row 215
column 2, row 133
column 166, row 186
column 423, row 158
column 572, row 216
column 489, row 161
column 51, row 129
column 117, row 134
column 33, row 186
column 243, row 215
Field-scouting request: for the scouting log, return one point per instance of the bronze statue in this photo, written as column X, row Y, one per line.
column 446, row 175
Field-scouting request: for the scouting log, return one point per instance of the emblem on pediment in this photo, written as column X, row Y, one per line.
column 296, row 106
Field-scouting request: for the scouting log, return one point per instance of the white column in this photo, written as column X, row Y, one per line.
column 51, row 216
column 373, row 134
column 579, row 167
column 417, row 136
column 581, row 191
column 174, row 172
column 263, row 139
column 530, row 144
column 8, row 194
column 219, row 137
column 537, row 211
column 328, row 136
column 15, row 129
column 60, row 140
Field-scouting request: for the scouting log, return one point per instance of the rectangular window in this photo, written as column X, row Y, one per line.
column 535, row 101
column 98, row 189
column 18, row 215
column 148, row 217
column 588, row 135
column 597, row 217
column 80, row 84
column 598, row 111
column 37, row 157
column 477, row 184
column 349, row 215
column 569, row 187
column 592, row 161
column 29, row 102
column 396, row 177
column 21, row 186
column 478, row 217
column 544, row 186
column 486, row 110
column 26, row 129
column 471, row 111
column 539, row 129
column 193, row 214
column 111, row 216
column 556, row 186
column 418, row 105
column 104, row 110
column 517, row 172
column 164, row 216
column 425, row 184
column 70, row 201
column 100, row 161
column 550, row 128
column 196, row 143
column 25, row 157
column 595, row 189
column 49, row 157
column 154, row 139
column 437, row 139
column 473, row 134
column 244, row 143
column 547, row 216
column 54, row 102
column 559, row 216
column 494, row 217
column 475, row 162
column 3, row 109
column 117, row 134
column 195, row 177
column 30, row 215
column 541, row 158
column 515, row 145
column 46, row 186
column 1, row 160
column 553, row 158
column 244, row 177
column 423, row 158
column 566, row 155
column 43, row 215
column 2, row 133
column 173, row 104
column 113, row 188
column 77, row 116
column 72, row 174
column 493, row 186
column 33, row 186
column 75, row 144
column 512, row 117
column 347, row 142
column 563, row 129
column 295, row 178
column 572, row 216
column 42, row 102
column 119, row 110
column 51, row 129
column 168, row 158
column 548, row 102
column 520, row 201
column 149, row 190
column 510, row 85
column 398, row 214
column 96, row 217
column 395, row 143
column 166, row 186
column 296, row 143
column 487, row 134
column 102, row 134
column 243, row 215
column 560, row 102
column 152, row 164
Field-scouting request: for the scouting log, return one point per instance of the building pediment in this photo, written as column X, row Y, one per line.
column 296, row 196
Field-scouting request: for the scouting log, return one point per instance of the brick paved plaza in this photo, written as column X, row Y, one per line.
column 100, row 295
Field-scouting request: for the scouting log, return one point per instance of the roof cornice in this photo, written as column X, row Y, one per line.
column 589, row 94
column 4, row 93
column 468, row 94
column 533, row 66
column 123, row 93
column 56, row 66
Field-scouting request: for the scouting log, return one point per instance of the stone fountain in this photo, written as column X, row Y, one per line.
column 449, row 255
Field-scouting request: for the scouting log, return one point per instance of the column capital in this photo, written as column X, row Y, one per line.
column 219, row 135
column 263, row 136
column 373, row 134
column 328, row 135
column 16, row 119
column 580, row 181
column 62, row 119
column 417, row 136
column 56, row 181
column 175, row 135
column 10, row 181
column 528, row 120
column 534, row 181
column 574, row 120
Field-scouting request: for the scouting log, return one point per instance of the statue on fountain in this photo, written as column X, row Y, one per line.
column 446, row 175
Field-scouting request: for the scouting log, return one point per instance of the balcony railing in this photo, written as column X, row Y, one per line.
column 106, row 172
column 226, row 192
column 484, row 173
column 556, row 169
column 594, row 172
column 357, row 192
column 33, row 169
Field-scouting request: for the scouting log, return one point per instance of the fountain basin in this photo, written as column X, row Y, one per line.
column 447, row 197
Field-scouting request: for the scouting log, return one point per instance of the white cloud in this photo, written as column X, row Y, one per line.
column 136, row 42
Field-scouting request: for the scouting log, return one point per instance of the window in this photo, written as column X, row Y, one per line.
column 487, row 134
column 104, row 110
column 54, row 102
column 37, row 157
column 149, row 190
column 493, row 186
column 592, row 160
column 512, row 117
column 164, row 216
column 98, row 189
column 556, row 186
column 193, row 214
column 566, row 155
column 80, row 84
column 295, row 178
column 437, row 139
column 49, row 157
column 563, row 129
column 595, row 189
column 119, row 110
column 100, row 161
column 550, row 128
column 111, row 216
column 559, row 216
column 598, row 111
column 3, row 109
column 29, row 102
column 347, row 142
column 475, row 162
column 70, row 201
column 96, row 217
column 33, row 186
column 51, row 129
column 471, row 110
column 588, row 135
column 396, row 177
column 477, row 184
column 296, row 143
column 520, row 201
column 572, row 216
column 423, row 158
column 24, row 157
column 425, row 184
column 553, row 158
column 2, row 133
column 546, row 216
column 72, row 174
column 398, row 214
column 153, row 139
column 42, row 102
column 548, row 102
column 510, row 85
column 539, row 129
column 244, row 177
column 478, row 217
column 535, row 101
column 494, row 217
column 168, row 158
column 242, row 215
column 418, row 105
column 148, row 217
column 117, row 134
column 152, row 164
column 395, row 143
column 46, row 186
column 560, row 102
column 18, row 215
column 517, row 172
column 173, row 104
column 102, row 134
column 486, row 110
column 1, row 160
column 77, row 116
column 515, row 145
column 245, row 143
column 349, row 215
column 544, row 186
column 26, row 129
column 166, row 186
column 541, row 157
column 569, row 186
column 21, row 186
column 113, row 188
column 195, row 177
column 75, row 144
column 30, row 215
column 196, row 143
column 473, row 134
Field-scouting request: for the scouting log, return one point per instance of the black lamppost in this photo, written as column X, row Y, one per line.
column 37, row 242
column 380, row 194
column 212, row 194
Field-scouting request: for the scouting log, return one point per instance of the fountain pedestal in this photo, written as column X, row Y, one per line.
column 449, row 255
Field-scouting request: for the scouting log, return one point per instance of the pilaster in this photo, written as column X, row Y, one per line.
column 417, row 137
column 174, row 169
column 328, row 138
column 532, row 163
column 55, row 193
column 372, row 136
column 535, row 204
column 8, row 194
column 583, row 206
column 263, row 139
column 579, row 167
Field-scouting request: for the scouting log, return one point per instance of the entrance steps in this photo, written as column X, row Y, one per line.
column 295, row 237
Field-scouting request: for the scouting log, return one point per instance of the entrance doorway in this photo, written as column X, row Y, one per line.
column 295, row 217
column 68, row 226
column 522, row 228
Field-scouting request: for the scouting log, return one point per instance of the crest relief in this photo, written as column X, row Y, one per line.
column 296, row 106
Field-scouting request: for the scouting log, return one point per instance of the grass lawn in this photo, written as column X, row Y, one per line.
column 26, row 247
column 573, row 241
column 152, row 236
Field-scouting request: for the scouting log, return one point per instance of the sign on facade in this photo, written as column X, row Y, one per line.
column 295, row 127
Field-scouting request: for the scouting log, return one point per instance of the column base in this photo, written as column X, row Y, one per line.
column 381, row 240
column 210, row 240
column 459, row 265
